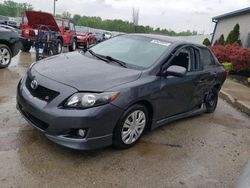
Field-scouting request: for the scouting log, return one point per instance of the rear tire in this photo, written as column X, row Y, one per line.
column 26, row 47
column 72, row 47
column 211, row 100
column 130, row 127
column 5, row 56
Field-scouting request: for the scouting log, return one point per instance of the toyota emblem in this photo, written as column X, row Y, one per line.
column 34, row 84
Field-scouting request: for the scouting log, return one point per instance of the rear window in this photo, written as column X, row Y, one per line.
column 206, row 57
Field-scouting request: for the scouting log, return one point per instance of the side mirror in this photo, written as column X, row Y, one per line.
column 175, row 70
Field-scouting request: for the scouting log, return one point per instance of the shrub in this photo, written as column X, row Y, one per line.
column 220, row 41
column 238, row 56
column 234, row 35
column 228, row 66
column 207, row 42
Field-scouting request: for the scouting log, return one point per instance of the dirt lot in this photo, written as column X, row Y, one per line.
column 210, row 150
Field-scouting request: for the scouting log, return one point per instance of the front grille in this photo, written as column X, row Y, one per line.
column 41, row 92
column 35, row 121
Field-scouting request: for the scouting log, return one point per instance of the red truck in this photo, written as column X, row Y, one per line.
column 32, row 21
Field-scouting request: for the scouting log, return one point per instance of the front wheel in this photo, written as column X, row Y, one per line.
column 5, row 56
column 59, row 47
column 130, row 127
column 211, row 100
column 72, row 47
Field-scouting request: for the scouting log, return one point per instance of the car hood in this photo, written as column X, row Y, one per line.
column 81, row 34
column 36, row 19
column 85, row 73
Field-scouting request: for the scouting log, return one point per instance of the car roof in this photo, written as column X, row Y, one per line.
column 172, row 40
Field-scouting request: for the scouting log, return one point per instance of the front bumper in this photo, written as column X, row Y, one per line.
column 54, row 121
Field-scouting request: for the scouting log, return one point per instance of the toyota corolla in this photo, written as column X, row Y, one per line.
column 116, row 90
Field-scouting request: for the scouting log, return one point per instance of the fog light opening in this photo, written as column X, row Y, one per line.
column 82, row 133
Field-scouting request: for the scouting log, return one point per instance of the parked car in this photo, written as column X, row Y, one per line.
column 99, row 37
column 9, row 45
column 118, row 89
column 32, row 21
column 85, row 39
column 107, row 35
column 3, row 20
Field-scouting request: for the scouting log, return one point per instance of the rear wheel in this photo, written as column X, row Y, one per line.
column 130, row 127
column 211, row 100
column 5, row 56
column 73, row 46
column 26, row 47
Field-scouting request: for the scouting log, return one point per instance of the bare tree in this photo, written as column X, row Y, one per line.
column 135, row 17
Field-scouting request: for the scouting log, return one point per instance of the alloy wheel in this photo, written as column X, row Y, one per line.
column 4, row 56
column 133, row 127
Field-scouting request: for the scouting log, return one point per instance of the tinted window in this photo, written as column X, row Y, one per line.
column 206, row 57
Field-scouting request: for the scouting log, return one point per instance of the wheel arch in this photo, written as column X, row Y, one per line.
column 60, row 38
column 148, row 105
column 217, row 86
column 8, row 45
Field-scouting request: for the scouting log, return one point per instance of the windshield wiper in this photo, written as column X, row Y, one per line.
column 98, row 56
column 116, row 61
column 108, row 58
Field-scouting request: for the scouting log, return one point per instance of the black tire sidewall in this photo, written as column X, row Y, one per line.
column 59, row 42
column 211, row 109
column 26, row 47
column 71, row 47
column 7, row 48
column 117, row 135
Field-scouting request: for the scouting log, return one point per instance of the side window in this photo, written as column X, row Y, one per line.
column 197, row 57
column 206, row 57
column 183, row 59
column 66, row 25
column 72, row 28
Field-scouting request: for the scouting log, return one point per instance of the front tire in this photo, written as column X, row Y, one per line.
column 5, row 56
column 211, row 100
column 72, row 47
column 130, row 127
column 59, row 47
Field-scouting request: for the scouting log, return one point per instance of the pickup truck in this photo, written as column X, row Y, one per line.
column 32, row 21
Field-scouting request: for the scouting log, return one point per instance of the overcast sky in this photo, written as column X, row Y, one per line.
column 178, row 15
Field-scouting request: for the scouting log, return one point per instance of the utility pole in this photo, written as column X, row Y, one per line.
column 55, row 7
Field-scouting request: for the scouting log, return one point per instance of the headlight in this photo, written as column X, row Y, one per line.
column 87, row 100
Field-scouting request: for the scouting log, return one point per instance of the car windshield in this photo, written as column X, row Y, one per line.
column 81, row 29
column 138, row 51
column 59, row 23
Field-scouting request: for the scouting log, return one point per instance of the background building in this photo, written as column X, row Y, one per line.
column 226, row 22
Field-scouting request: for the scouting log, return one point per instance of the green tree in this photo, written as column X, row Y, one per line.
column 220, row 41
column 207, row 42
column 66, row 15
column 234, row 35
column 13, row 9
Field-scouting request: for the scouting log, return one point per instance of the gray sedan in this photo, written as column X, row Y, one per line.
column 115, row 91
